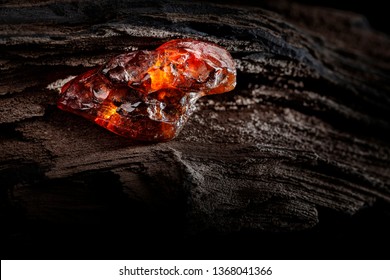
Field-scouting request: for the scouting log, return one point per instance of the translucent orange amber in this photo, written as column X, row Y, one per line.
column 149, row 95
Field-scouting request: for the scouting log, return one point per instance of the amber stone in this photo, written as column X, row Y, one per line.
column 149, row 95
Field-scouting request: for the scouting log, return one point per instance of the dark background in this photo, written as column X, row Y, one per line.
column 375, row 11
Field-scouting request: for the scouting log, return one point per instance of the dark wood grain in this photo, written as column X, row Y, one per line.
column 297, row 156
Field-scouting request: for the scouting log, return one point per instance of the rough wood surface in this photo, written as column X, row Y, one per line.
column 296, row 156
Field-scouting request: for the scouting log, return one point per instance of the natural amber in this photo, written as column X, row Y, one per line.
column 149, row 95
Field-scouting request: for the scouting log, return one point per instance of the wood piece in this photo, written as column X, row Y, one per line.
column 297, row 155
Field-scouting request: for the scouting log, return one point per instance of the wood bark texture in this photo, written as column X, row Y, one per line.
column 297, row 156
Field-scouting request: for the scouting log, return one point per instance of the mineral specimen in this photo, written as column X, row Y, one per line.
column 149, row 95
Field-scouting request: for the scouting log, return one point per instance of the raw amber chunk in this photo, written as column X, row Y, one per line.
column 149, row 95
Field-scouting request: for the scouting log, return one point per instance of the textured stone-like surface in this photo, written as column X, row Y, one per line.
column 293, row 163
column 149, row 95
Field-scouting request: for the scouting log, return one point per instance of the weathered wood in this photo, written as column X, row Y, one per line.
column 297, row 154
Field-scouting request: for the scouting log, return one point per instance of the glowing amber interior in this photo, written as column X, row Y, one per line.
column 149, row 95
